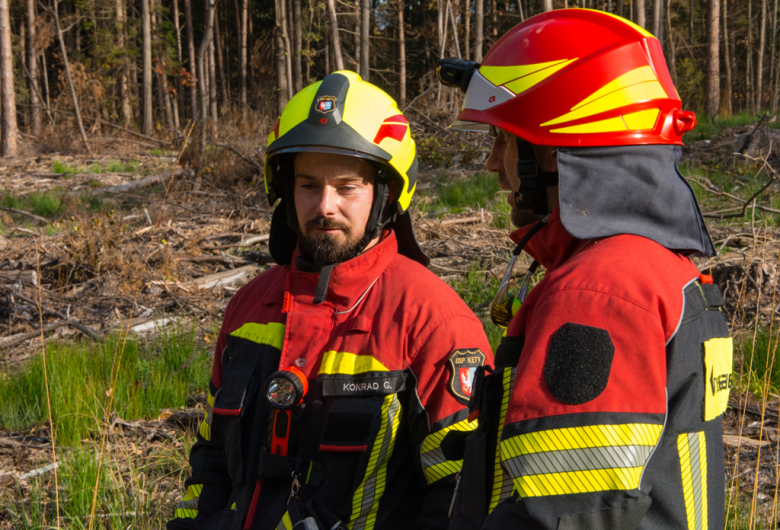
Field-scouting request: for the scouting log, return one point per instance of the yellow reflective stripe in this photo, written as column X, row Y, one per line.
column 334, row 362
column 580, row 438
column 365, row 502
column 433, row 440
column 285, row 523
column 578, row 482
column 641, row 121
column 188, row 507
column 444, row 469
column 608, row 125
column 718, row 356
column 693, row 466
column 271, row 334
column 502, row 482
column 636, row 86
column 205, row 425
column 501, row 75
column 524, row 83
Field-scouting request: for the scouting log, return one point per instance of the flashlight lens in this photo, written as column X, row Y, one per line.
column 282, row 392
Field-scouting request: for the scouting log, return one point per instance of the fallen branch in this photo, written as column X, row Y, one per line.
column 162, row 179
column 23, row 337
column 39, row 471
column 75, row 323
column 28, row 277
column 26, row 214
column 246, row 243
column 212, row 259
column 164, row 142
column 212, row 280
column 463, row 220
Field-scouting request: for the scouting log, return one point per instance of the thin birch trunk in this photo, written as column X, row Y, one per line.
column 454, row 28
column 327, row 56
column 479, row 23
column 242, row 56
column 772, row 65
column 214, row 113
column 760, row 66
column 220, row 63
column 146, row 30
column 520, row 9
column 194, row 82
column 467, row 30
column 32, row 67
column 401, row 56
column 334, row 35
column 670, row 37
column 749, row 73
column 287, row 48
column 658, row 16
column 281, row 64
column 545, row 5
column 203, row 73
column 179, row 99
column 727, row 57
column 8, row 125
column 297, row 45
column 713, row 56
column 69, row 78
column 365, row 28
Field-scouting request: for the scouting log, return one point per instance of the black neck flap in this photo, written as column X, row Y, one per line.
column 638, row 189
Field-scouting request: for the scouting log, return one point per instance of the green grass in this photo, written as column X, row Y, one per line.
column 706, row 128
column 152, row 376
column 39, row 203
column 117, row 166
column 63, row 168
column 764, row 356
column 95, row 168
column 456, row 195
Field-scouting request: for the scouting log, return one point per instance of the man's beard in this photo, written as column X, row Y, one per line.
column 521, row 217
column 321, row 249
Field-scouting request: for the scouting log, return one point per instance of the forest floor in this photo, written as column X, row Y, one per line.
column 118, row 266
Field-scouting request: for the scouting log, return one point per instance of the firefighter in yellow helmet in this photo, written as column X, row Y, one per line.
column 339, row 372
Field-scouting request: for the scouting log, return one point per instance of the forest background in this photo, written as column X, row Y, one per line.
column 154, row 66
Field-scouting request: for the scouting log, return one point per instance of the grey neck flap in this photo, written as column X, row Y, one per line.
column 606, row 191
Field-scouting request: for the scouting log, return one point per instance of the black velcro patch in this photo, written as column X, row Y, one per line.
column 578, row 363
column 347, row 427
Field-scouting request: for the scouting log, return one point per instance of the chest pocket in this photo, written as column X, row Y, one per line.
column 362, row 413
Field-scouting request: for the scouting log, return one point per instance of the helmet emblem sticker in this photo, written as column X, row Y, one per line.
column 325, row 104
column 464, row 364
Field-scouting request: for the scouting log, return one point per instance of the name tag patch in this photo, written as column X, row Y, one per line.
column 371, row 384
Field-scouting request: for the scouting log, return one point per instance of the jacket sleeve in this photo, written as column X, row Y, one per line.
column 586, row 413
column 208, row 488
column 443, row 390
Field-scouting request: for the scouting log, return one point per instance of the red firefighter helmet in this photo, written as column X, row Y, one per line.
column 577, row 77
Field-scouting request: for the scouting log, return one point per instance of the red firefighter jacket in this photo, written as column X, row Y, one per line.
column 604, row 410
column 389, row 355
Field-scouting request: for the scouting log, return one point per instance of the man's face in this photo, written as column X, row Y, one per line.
column 333, row 197
column 503, row 160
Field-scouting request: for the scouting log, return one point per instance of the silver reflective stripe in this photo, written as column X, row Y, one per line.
column 619, row 456
column 431, row 458
column 482, row 94
column 693, row 446
column 188, row 505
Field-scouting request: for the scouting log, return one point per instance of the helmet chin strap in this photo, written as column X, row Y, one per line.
column 533, row 181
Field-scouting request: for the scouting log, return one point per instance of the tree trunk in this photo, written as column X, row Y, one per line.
column 8, row 125
column 281, row 63
column 297, row 45
column 32, row 69
column 220, row 63
column 727, row 57
column 713, row 58
column 760, row 66
column 467, row 30
column 454, row 28
column 670, row 39
column 749, row 72
column 334, row 35
column 203, row 72
column 639, row 13
column 214, row 113
column 327, row 56
column 365, row 28
column 401, row 57
column 194, row 82
column 178, row 100
column 658, row 17
column 545, row 5
column 520, row 10
column 494, row 21
column 287, row 48
column 479, row 25
column 440, row 19
column 242, row 55
column 691, row 18
column 772, row 64
column 68, row 77
column 147, row 62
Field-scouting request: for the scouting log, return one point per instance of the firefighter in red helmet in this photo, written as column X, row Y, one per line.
column 604, row 407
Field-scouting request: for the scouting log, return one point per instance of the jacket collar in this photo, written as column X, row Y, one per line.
column 348, row 280
column 552, row 245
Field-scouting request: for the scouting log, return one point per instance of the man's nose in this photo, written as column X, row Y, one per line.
column 326, row 205
column 495, row 162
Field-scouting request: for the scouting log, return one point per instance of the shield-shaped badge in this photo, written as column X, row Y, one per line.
column 464, row 364
column 325, row 104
